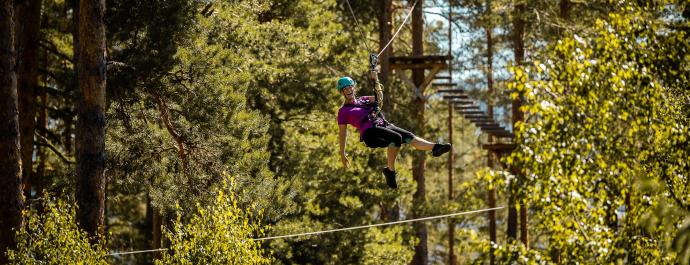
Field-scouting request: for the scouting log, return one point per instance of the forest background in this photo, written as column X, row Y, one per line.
column 191, row 127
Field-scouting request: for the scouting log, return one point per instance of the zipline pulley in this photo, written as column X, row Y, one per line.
column 373, row 62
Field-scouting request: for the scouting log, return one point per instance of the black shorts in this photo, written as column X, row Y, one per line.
column 384, row 136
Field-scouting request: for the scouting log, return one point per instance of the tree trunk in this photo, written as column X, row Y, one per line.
column 385, row 28
column 491, row 200
column 392, row 209
column 28, row 21
column 518, row 116
column 38, row 180
column 564, row 9
column 524, row 234
column 11, row 200
column 492, row 221
column 157, row 235
column 451, row 223
column 421, row 255
column 511, row 232
column 90, row 107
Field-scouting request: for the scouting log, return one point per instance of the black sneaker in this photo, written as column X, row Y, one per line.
column 440, row 149
column 390, row 178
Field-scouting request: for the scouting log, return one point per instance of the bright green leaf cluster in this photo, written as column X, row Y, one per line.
column 219, row 233
column 52, row 237
column 606, row 142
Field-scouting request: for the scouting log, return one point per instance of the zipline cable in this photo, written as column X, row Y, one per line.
column 399, row 28
column 335, row 230
column 364, row 39
column 394, row 35
column 137, row 252
column 382, row 224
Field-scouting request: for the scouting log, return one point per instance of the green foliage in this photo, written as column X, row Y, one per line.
column 515, row 252
column 52, row 237
column 605, row 148
column 219, row 233
column 210, row 130
column 248, row 87
column 383, row 247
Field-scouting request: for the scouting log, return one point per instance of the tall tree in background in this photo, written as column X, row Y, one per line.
column 421, row 255
column 28, row 20
column 491, row 198
column 519, row 53
column 385, row 27
column 90, row 133
column 11, row 201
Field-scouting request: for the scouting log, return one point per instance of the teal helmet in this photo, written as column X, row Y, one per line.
column 344, row 82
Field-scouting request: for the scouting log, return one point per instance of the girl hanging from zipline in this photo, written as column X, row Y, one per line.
column 374, row 130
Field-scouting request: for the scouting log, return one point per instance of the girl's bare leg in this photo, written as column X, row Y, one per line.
column 421, row 144
column 392, row 152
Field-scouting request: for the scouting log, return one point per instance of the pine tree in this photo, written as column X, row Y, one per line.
column 11, row 199
column 90, row 108
column 28, row 22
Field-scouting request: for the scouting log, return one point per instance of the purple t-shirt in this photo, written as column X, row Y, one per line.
column 356, row 114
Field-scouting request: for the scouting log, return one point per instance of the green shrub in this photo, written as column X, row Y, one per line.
column 220, row 233
column 54, row 238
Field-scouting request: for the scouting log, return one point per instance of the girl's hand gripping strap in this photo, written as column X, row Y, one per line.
column 378, row 96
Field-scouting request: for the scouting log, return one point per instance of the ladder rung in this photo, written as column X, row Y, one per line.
column 470, row 112
column 450, row 91
column 500, row 131
column 481, row 120
column 455, row 97
column 502, row 134
column 499, row 147
column 487, row 123
column 477, row 115
column 444, row 84
column 466, row 107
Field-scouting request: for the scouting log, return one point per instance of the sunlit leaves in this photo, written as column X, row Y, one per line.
column 52, row 237
column 602, row 113
column 218, row 233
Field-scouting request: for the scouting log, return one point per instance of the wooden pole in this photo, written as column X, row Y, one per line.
column 421, row 256
column 11, row 199
column 90, row 130
column 385, row 32
column 451, row 222
column 491, row 200
column 518, row 116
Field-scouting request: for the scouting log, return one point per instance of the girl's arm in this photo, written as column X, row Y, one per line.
column 342, row 140
column 379, row 93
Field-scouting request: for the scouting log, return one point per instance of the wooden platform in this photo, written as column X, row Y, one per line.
column 499, row 148
column 433, row 63
column 419, row 62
